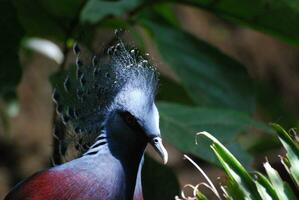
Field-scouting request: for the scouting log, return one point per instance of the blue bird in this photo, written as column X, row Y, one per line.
column 108, row 104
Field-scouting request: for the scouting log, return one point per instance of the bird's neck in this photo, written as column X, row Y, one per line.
column 124, row 159
column 138, row 194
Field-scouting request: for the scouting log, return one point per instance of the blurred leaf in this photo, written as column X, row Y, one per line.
column 265, row 188
column 115, row 23
column 159, row 182
column 96, row 10
column 66, row 9
column 278, row 18
column 11, row 34
column 180, row 123
column 282, row 188
column 259, row 143
column 171, row 91
column 165, row 11
column 38, row 21
column 210, row 77
column 292, row 152
column 233, row 168
column 276, row 109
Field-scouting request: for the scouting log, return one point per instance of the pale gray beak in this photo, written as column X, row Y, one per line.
column 156, row 142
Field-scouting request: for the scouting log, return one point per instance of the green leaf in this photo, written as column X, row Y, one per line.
column 286, row 163
column 11, row 34
column 262, row 191
column 166, row 11
column 278, row 18
column 292, row 151
column 159, row 181
column 234, row 168
column 180, row 123
column 264, row 187
column 232, row 191
column 282, row 188
column 200, row 196
column 239, row 184
column 96, row 10
column 210, row 77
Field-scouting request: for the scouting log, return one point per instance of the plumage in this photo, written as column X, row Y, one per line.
column 74, row 180
column 110, row 116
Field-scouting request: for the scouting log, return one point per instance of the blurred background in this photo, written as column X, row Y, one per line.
column 227, row 67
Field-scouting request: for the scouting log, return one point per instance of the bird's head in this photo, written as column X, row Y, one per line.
column 133, row 108
column 117, row 93
column 136, row 119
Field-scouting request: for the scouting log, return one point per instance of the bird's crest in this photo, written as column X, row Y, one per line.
column 85, row 96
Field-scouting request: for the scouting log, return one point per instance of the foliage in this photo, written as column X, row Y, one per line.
column 212, row 91
column 11, row 35
column 242, row 184
column 177, row 119
column 210, row 77
column 278, row 18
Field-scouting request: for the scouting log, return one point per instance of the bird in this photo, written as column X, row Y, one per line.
column 108, row 109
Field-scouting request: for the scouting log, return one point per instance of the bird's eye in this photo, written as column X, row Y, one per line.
column 130, row 119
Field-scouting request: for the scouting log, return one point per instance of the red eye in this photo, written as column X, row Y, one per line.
column 130, row 119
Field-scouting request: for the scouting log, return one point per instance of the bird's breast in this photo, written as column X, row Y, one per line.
column 76, row 180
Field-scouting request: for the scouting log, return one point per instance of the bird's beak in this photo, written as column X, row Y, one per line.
column 156, row 142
